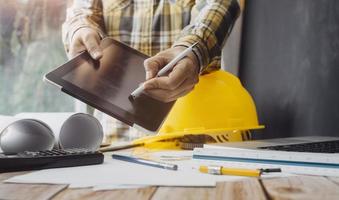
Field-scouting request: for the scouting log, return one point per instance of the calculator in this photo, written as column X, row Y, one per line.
column 55, row 158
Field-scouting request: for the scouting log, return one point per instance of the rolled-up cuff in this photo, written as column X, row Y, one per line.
column 200, row 50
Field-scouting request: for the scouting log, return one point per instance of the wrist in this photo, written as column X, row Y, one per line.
column 192, row 56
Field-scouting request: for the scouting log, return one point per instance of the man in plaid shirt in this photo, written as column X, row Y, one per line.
column 159, row 28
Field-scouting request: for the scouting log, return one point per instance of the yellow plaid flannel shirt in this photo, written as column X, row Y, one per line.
column 151, row 26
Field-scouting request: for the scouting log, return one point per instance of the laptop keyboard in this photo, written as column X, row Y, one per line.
column 314, row 147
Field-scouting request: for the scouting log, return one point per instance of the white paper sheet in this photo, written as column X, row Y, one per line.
column 6, row 120
column 53, row 120
column 216, row 155
column 116, row 173
column 287, row 170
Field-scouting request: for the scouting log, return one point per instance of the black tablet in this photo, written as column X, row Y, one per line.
column 106, row 85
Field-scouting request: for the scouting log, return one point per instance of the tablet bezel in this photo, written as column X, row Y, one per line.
column 55, row 77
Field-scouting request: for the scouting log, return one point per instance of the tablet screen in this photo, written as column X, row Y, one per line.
column 107, row 84
column 110, row 78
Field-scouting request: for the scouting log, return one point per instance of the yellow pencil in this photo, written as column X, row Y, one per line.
column 219, row 170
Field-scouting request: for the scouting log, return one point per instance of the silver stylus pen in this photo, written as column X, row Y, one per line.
column 166, row 69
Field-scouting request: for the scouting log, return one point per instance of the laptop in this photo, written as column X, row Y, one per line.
column 317, row 151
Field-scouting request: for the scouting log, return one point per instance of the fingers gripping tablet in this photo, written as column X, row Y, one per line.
column 107, row 83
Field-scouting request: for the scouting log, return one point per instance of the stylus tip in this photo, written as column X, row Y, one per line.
column 131, row 97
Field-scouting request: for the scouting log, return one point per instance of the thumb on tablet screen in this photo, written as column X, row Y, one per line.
column 86, row 39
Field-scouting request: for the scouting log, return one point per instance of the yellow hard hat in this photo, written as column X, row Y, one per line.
column 219, row 104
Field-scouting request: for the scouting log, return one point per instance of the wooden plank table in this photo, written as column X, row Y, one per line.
column 297, row 187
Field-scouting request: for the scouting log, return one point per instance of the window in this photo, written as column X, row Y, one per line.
column 30, row 46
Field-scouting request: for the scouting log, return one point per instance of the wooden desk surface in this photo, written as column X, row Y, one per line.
column 298, row 187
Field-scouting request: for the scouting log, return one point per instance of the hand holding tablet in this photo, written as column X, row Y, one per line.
column 107, row 83
column 165, row 70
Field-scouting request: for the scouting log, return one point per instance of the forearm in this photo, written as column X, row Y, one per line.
column 83, row 13
column 210, row 27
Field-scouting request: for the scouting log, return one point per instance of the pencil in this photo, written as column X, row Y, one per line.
column 142, row 161
column 219, row 170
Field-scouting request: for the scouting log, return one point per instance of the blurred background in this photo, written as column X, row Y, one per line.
column 289, row 62
column 30, row 46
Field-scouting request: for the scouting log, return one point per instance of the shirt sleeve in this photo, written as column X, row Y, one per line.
column 212, row 22
column 83, row 13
